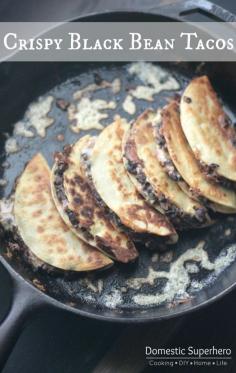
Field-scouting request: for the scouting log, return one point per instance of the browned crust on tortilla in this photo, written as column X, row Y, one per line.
column 163, row 155
column 84, row 209
column 172, row 109
column 61, row 166
column 193, row 101
column 20, row 250
column 223, row 122
column 86, row 166
column 175, row 214
column 210, row 172
column 138, row 237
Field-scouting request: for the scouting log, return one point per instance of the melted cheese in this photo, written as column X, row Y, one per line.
column 6, row 213
column 129, row 105
column 113, row 299
column 178, row 279
column 37, row 115
column 154, row 78
column 87, row 114
column 22, row 129
column 11, row 146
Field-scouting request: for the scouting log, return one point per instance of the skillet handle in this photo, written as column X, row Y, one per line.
column 25, row 301
column 178, row 9
column 181, row 9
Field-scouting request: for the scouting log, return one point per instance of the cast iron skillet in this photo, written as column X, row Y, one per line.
column 23, row 82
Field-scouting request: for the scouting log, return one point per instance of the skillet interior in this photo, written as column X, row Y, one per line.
column 97, row 293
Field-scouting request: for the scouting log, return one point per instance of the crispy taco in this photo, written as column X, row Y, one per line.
column 80, row 210
column 142, row 164
column 209, row 131
column 115, row 188
column 41, row 228
column 215, row 196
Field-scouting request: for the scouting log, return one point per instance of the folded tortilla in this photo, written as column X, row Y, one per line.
column 80, row 210
column 208, row 130
column 217, row 197
column 41, row 228
column 141, row 162
column 115, row 188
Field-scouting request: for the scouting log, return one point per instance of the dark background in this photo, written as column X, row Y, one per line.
column 58, row 342
column 58, row 10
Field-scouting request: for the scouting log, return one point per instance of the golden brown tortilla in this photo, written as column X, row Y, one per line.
column 115, row 188
column 81, row 211
column 41, row 227
column 187, row 165
column 207, row 128
column 153, row 182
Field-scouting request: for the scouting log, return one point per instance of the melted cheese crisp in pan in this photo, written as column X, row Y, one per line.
column 41, row 227
column 224, row 200
column 79, row 208
column 154, row 184
column 207, row 129
column 115, row 188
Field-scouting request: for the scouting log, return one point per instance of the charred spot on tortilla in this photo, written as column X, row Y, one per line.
column 81, row 211
column 60, row 198
column 211, row 194
column 41, row 228
column 141, row 162
column 115, row 188
column 209, row 131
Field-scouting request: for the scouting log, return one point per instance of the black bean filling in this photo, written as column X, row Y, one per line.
column 18, row 247
column 210, row 171
column 115, row 219
column 20, row 251
column 167, row 163
column 176, row 215
column 137, row 237
column 62, row 166
column 188, row 100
